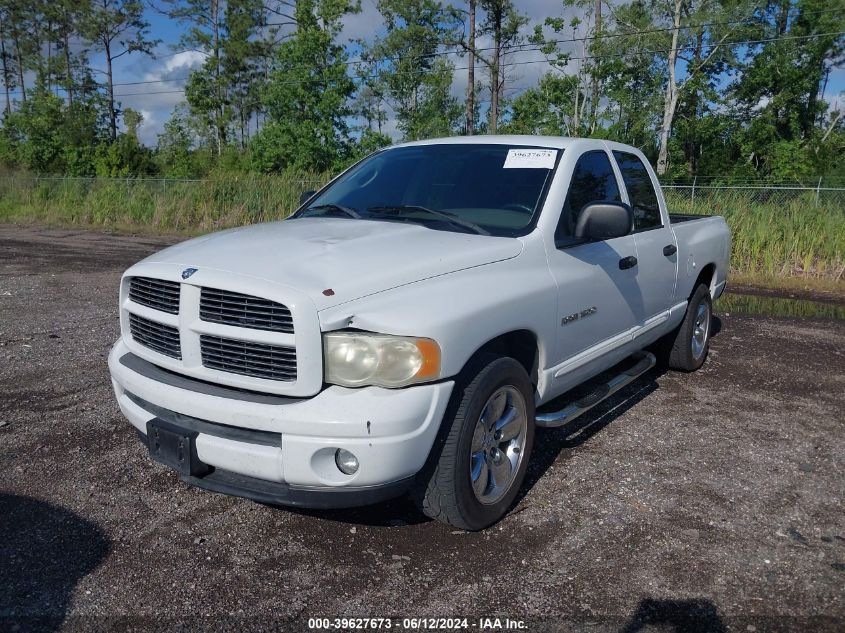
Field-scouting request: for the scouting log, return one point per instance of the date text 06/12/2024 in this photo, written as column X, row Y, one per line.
column 418, row 624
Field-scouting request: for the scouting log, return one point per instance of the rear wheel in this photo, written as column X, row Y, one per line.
column 692, row 339
column 489, row 434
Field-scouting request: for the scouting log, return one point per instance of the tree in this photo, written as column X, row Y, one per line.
column 587, row 63
column 179, row 153
column 204, row 90
column 470, row 99
column 117, row 28
column 544, row 109
column 778, row 91
column 66, row 18
column 370, row 101
column 631, row 81
column 224, row 92
column 307, row 98
column 241, row 51
column 125, row 156
column 466, row 40
column 414, row 80
column 35, row 132
column 502, row 22
column 6, row 60
column 20, row 31
column 86, row 125
column 47, row 135
column 710, row 44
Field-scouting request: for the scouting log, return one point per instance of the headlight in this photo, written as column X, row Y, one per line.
column 355, row 359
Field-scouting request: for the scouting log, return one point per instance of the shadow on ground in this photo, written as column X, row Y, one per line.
column 45, row 550
column 548, row 444
column 675, row 616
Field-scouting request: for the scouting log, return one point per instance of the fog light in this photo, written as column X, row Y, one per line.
column 346, row 462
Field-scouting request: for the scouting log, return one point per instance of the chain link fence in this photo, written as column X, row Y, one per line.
column 707, row 198
column 777, row 229
column 151, row 184
column 688, row 197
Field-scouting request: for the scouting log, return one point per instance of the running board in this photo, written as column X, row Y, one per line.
column 645, row 361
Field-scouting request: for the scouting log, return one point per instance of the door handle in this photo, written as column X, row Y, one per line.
column 627, row 262
column 670, row 250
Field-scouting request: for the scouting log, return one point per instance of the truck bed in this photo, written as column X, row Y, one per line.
column 677, row 218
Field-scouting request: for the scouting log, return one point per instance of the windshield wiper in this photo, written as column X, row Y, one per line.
column 451, row 218
column 352, row 213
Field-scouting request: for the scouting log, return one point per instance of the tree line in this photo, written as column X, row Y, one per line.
column 719, row 88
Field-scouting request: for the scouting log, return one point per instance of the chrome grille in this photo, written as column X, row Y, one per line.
column 155, row 293
column 271, row 362
column 161, row 338
column 234, row 308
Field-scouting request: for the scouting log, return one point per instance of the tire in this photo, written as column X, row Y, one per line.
column 450, row 488
column 692, row 339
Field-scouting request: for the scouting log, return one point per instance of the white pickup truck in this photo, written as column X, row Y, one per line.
column 403, row 330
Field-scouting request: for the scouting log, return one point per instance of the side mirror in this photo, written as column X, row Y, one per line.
column 604, row 221
column 305, row 196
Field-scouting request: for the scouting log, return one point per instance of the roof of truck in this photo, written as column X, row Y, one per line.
column 559, row 142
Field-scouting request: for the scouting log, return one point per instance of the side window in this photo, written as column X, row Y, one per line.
column 592, row 180
column 640, row 191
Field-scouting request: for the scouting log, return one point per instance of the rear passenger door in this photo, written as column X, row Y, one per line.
column 597, row 300
column 656, row 249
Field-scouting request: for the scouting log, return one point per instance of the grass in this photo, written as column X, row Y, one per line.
column 786, row 236
column 778, row 240
column 167, row 206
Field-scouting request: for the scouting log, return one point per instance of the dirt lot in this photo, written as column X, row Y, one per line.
column 703, row 502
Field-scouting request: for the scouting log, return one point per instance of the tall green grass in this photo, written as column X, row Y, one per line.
column 782, row 236
column 773, row 235
column 190, row 206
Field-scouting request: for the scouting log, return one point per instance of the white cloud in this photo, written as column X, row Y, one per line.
column 158, row 89
column 174, row 66
column 183, row 61
column 363, row 25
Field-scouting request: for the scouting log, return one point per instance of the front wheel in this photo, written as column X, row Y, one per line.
column 488, row 439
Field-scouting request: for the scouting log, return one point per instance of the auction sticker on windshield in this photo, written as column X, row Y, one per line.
column 530, row 159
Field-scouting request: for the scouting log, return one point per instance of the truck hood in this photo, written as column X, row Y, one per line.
column 353, row 258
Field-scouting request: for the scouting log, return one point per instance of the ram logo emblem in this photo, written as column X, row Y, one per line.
column 188, row 272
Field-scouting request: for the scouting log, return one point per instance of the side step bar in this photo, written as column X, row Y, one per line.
column 645, row 361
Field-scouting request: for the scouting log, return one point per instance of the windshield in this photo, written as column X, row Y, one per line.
column 478, row 188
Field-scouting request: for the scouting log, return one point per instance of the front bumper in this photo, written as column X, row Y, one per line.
column 253, row 440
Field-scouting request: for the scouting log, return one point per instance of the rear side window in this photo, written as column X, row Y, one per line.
column 640, row 191
column 592, row 180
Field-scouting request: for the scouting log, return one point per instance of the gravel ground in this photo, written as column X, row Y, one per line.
column 704, row 502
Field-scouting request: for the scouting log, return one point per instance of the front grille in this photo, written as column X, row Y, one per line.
column 234, row 308
column 271, row 362
column 155, row 293
column 161, row 338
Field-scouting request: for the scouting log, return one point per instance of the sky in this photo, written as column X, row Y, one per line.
column 169, row 67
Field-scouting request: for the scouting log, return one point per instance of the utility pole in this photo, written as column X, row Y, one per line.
column 471, row 72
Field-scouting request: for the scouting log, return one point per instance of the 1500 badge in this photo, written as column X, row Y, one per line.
column 578, row 315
